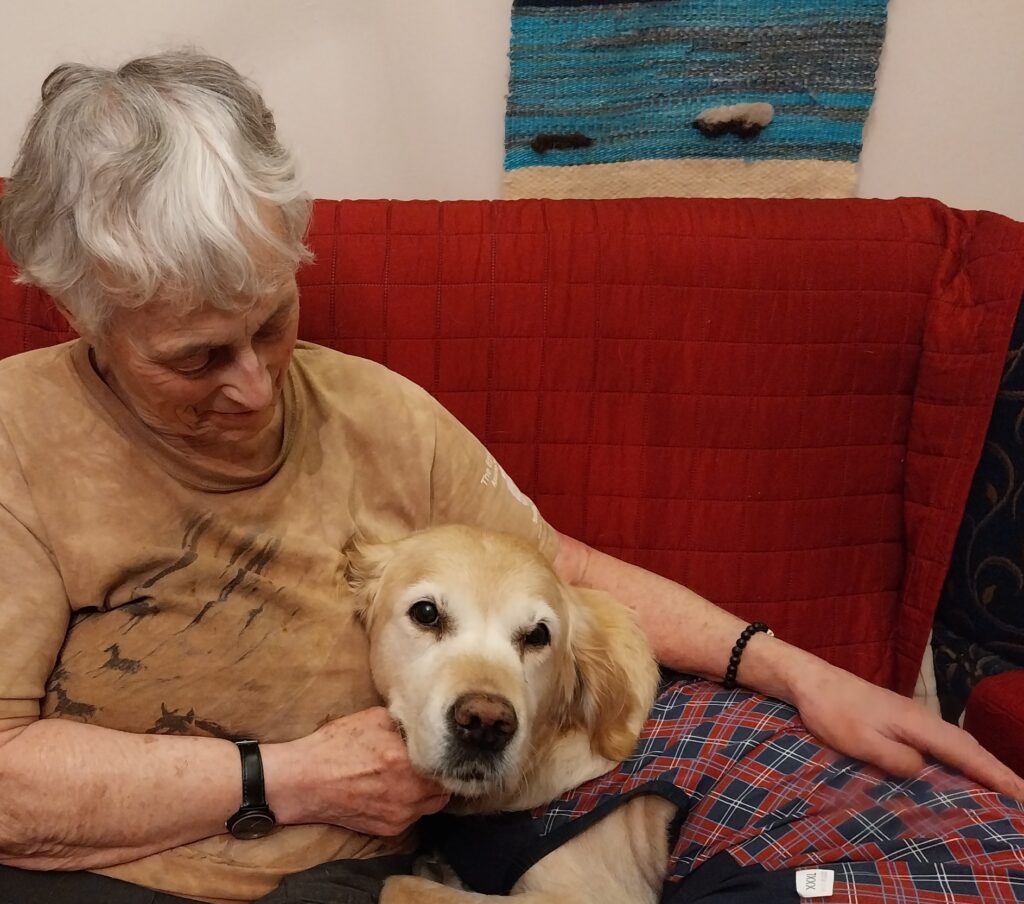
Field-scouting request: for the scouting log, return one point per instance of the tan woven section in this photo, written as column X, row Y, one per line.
column 686, row 179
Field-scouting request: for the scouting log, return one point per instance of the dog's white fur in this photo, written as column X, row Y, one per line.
column 579, row 701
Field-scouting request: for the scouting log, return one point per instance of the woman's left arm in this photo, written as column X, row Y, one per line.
column 854, row 716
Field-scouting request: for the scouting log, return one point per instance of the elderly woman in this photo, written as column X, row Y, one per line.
column 176, row 490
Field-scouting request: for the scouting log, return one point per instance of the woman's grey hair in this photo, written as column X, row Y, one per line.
column 161, row 179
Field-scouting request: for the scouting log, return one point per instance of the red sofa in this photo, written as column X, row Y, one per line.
column 778, row 403
column 995, row 716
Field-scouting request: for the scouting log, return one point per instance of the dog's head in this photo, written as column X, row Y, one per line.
column 486, row 658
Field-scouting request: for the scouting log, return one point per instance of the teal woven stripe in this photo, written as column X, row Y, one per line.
column 634, row 76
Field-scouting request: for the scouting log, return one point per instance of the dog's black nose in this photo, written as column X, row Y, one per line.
column 484, row 721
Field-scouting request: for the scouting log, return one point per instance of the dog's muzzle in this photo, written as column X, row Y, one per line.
column 480, row 727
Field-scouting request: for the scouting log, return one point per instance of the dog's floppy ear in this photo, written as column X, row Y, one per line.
column 364, row 566
column 615, row 676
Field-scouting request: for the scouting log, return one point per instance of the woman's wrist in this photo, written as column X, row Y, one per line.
column 776, row 668
column 288, row 784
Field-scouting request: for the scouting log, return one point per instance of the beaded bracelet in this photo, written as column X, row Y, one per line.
column 737, row 651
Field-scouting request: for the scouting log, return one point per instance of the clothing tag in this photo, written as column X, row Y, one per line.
column 814, row 883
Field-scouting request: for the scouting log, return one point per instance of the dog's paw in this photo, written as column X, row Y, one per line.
column 414, row 890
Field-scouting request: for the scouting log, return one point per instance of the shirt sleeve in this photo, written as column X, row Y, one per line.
column 468, row 486
column 34, row 608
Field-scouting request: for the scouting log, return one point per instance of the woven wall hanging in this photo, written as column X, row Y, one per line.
column 698, row 98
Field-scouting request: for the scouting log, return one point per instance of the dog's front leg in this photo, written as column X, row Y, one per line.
column 414, row 890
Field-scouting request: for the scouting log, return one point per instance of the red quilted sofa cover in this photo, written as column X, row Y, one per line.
column 778, row 403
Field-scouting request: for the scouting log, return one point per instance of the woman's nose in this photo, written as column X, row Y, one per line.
column 249, row 382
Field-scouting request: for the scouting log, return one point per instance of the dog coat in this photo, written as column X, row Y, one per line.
column 750, row 782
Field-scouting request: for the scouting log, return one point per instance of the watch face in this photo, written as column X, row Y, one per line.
column 252, row 825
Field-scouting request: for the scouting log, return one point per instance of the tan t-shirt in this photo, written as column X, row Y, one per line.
column 140, row 593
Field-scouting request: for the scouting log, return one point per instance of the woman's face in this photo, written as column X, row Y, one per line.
column 209, row 378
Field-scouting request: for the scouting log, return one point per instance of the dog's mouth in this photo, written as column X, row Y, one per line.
column 472, row 773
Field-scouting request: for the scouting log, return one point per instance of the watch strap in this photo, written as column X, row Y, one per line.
column 254, row 792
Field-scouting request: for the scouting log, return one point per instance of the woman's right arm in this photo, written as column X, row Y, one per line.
column 76, row 796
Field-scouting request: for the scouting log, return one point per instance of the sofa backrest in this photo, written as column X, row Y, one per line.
column 777, row 403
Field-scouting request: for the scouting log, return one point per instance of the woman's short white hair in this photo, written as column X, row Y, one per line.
column 161, row 179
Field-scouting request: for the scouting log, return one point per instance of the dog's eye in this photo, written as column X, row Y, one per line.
column 425, row 613
column 538, row 637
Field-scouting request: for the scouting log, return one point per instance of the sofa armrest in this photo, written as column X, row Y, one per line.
column 995, row 716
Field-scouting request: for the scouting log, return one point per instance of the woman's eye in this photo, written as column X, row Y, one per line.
column 193, row 366
column 540, row 636
column 425, row 613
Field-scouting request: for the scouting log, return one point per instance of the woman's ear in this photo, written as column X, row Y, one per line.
column 365, row 563
column 615, row 676
column 73, row 322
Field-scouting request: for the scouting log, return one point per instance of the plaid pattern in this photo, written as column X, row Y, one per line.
column 762, row 789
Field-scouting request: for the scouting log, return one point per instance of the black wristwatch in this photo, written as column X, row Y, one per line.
column 254, row 819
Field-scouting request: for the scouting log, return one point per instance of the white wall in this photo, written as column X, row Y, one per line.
column 405, row 98
column 948, row 118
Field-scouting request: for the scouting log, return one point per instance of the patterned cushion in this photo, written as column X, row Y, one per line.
column 979, row 622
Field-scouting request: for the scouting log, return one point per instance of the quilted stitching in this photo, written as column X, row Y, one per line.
column 779, row 403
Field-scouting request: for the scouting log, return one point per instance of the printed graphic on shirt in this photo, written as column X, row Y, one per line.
column 193, row 636
column 493, row 473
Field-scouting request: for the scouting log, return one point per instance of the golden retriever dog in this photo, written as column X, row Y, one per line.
column 510, row 688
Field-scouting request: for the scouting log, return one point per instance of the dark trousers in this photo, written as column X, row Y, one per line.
column 719, row 881
column 340, row 882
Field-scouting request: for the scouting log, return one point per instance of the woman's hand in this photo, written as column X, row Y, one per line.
column 890, row 731
column 352, row 772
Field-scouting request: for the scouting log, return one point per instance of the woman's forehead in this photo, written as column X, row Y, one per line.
column 161, row 327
